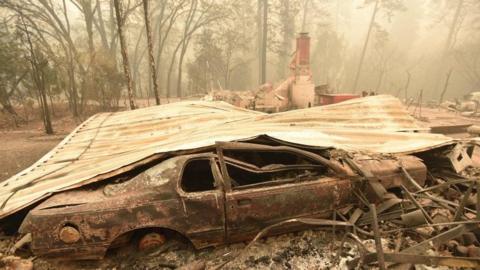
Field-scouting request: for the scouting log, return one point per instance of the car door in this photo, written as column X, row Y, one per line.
column 202, row 197
column 292, row 194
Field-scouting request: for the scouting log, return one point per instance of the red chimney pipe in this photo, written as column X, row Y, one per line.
column 303, row 49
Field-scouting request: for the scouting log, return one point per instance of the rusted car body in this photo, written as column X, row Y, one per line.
column 211, row 198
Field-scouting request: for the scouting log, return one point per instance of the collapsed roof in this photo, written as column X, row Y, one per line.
column 108, row 144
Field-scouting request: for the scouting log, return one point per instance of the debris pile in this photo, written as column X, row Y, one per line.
column 427, row 224
column 436, row 223
column 469, row 106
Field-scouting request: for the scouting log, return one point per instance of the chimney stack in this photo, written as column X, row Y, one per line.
column 303, row 89
column 303, row 49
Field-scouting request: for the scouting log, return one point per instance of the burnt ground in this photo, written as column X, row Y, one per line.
column 302, row 250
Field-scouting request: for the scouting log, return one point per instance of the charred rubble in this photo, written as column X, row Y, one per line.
column 433, row 223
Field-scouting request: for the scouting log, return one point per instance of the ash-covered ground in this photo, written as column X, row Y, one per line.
column 311, row 249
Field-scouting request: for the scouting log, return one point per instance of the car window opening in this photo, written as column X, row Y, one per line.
column 243, row 178
column 268, row 159
column 197, row 176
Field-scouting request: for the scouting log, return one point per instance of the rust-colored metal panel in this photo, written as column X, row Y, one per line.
column 85, row 222
column 326, row 99
column 250, row 210
column 388, row 170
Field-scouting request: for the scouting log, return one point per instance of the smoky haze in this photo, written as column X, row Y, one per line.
column 397, row 47
column 273, row 116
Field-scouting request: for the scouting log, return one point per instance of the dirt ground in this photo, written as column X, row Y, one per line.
column 21, row 147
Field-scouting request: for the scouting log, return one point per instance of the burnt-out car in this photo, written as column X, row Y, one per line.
column 211, row 198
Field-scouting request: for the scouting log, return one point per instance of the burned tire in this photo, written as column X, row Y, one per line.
column 151, row 240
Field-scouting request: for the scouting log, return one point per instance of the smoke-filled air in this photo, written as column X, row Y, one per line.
column 239, row 134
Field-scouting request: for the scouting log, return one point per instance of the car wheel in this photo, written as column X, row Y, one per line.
column 151, row 240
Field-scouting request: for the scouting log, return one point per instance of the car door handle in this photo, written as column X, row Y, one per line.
column 242, row 202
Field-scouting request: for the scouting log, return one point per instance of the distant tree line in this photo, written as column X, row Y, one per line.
column 110, row 53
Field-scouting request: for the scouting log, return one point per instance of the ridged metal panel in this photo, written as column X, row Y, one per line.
column 109, row 143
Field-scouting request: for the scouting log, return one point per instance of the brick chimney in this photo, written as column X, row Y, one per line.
column 303, row 49
column 303, row 90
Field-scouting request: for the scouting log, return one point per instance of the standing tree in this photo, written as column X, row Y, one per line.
column 445, row 86
column 222, row 54
column 389, row 6
column 364, row 49
column 263, row 71
column 199, row 14
column 12, row 71
column 123, row 48
column 259, row 39
column 449, row 43
column 468, row 59
column 287, row 21
column 165, row 20
column 153, row 71
column 206, row 69
column 49, row 27
column 38, row 65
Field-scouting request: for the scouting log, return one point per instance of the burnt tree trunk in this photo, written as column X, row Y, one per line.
column 179, row 75
column 5, row 102
column 73, row 86
column 407, row 84
column 43, row 95
column 264, row 41
column 445, row 86
column 50, row 97
column 39, row 78
column 153, row 70
column 259, row 39
column 180, row 67
column 448, row 42
column 170, row 69
column 365, row 45
column 123, row 48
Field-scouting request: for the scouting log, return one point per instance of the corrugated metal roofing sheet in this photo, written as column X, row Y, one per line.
column 109, row 143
